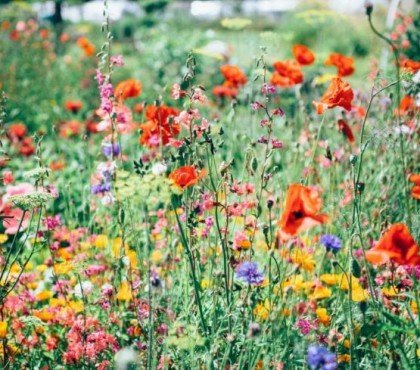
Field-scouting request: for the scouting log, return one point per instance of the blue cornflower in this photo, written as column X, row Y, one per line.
column 331, row 242
column 249, row 273
column 109, row 149
column 320, row 358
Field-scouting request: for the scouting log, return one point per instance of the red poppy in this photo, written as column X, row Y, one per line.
column 345, row 65
column 396, row 245
column 70, row 128
column 130, row 88
column 346, row 130
column 301, row 210
column 338, row 94
column 287, row 73
column 27, row 147
column 17, row 131
column 73, row 105
column 303, row 55
column 234, row 75
column 186, row 176
column 415, row 191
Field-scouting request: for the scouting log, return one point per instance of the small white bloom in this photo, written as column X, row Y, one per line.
column 83, row 289
column 125, row 357
column 159, row 169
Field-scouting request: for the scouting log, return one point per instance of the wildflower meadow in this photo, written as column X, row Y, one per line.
column 232, row 193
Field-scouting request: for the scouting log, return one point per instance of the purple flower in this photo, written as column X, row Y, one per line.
column 320, row 358
column 100, row 188
column 331, row 242
column 256, row 105
column 267, row 89
column 276, row 143
column 108, row 149
column 249, row 273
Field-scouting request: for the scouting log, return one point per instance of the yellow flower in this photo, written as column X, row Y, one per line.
column 206, row 283
column 3, row 238
column 3, row 329
column 322, row 315
column 359, row 294
column 262, row 310
column 156, row 256
column 44, row 295
column 63, row 268
column 57, row 302
column 303, row 259
column 124, row 293
column 320, row 292
column 101, row 241
column 390, row 292
column 330, row 279
column 344, row 282
column 413, row 306
column 344, row 358
column 44, row 315
column 320, row 80
column 76, row 306
column 132, row 256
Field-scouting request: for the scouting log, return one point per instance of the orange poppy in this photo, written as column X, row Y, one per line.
column 303, row 55
column 407, row 105
column 158, row 129
column 87, row 47
column 234, row 75
column 73, row 105
column 287, row 73
column 338, row 94
column 415, row 191
column 396, row 245
column 301, row 210
column 186, row 176
column 345, row 65
column 346, row 130
column 227, row 90
column 410, row 65
column 130, row 88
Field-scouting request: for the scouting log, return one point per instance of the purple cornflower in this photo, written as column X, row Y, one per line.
column 267, row 89
column 100, row 188
column 320, row 358
column 331, row 242
column 249, row 273
column 109, row 149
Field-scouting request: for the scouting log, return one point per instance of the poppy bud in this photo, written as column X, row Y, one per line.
column 369, row 8
column 270, row 203
column 353, row 159
column 363, row 307
column 360, row 186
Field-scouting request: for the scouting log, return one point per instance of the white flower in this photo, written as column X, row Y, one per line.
column 83, row 289
column 159, row 169
column 125, row 357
